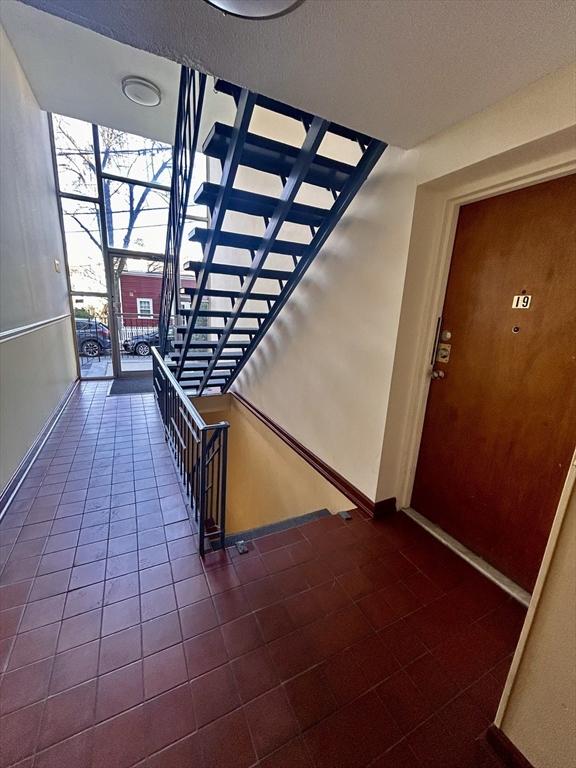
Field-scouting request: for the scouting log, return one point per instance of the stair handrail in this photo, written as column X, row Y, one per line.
column 188, row 120
column 200, row 451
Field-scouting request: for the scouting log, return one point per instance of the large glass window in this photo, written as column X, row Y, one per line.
column 84, row 246
column 135, row 157
column 115, row 226
column 74, row 148
column 137, row 216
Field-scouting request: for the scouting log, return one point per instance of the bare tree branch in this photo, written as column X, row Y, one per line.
column 85, row 228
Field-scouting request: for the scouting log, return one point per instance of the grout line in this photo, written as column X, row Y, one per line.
column 472, row 559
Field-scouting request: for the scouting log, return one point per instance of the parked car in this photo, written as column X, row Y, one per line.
column 93, row 337
column 141, row 344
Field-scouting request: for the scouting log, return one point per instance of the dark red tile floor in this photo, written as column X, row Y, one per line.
column 331, row 645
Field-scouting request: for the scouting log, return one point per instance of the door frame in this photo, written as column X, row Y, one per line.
column 546, row 159
column 448, row 200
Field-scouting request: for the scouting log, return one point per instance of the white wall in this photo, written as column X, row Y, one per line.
column 36, row 365
column 538, row 709
column 342, row 364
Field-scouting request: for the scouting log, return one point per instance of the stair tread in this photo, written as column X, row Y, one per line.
column 255, row 204
column 276, row 157
column 220, row 329
column 237, row 270
column 223, row 86
column 209, row 344
column 226, row 294
column 227, row 313
column 246, row 242
column 208, row 356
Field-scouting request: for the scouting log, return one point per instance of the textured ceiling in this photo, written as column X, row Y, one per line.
column 75, row 72
column 400, row 70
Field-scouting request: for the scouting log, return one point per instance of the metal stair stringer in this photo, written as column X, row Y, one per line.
column 214, row 364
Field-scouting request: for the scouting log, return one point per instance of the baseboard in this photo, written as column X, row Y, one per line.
column 384, row 508
column 23, row 468
column 505, row 749
column 356, row 496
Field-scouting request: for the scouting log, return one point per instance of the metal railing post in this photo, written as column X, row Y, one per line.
column 200, row 451
column 222, row 483
column 202, row 494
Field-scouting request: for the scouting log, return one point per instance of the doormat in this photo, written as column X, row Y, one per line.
column 133, row 385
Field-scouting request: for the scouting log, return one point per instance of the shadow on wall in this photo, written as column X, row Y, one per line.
column 267, row 481
column 323, row 370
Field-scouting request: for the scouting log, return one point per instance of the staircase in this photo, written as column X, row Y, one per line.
column 237, row 299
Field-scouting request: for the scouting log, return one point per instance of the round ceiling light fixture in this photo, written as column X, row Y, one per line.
column 255, row 9
column 141, row 91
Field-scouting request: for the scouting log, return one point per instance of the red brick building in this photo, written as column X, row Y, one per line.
column 140, row 297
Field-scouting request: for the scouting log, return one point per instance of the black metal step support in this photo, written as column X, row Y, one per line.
column 300, row 168
column 246, row 104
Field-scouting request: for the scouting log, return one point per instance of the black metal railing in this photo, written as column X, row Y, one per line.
column 189, row 116
column 201, row 452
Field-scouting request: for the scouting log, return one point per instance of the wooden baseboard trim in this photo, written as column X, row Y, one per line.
column 356, row 496
column 505, row 749
column 23, row 468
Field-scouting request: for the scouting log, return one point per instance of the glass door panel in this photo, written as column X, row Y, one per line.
column 137, row 291
column 93, row 337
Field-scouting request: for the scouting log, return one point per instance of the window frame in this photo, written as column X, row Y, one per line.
column 144, row 315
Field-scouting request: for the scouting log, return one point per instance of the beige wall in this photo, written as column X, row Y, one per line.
column 36, row 365
column 35, row 371
column 538, row 712
column 267, row 480
column 344, row 362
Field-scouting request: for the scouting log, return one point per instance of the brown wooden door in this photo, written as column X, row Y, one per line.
column 500, row 427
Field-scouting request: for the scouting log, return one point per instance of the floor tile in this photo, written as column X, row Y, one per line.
column 405, row 702
column 164, row 670
column 80, row 629
column 33, row 645
column 120, row 615
column 123, row 740
column 171, row 718
column 292, row 755
column 24, row 686
column 67, row 713
column 271, row 721
column 363, row 644
column 119, row 649
column 310, row 697
column 42, row 612
column 119, row 690
column 353, row 736
column 214, row 694
column 205, row 652
column 274, row 621
column 255, row 673
column 19, row 733
column 75, row 752
column 74, row 666
column 226, row 743
column 161, row 633
column 198, row 618
column 241, row 636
